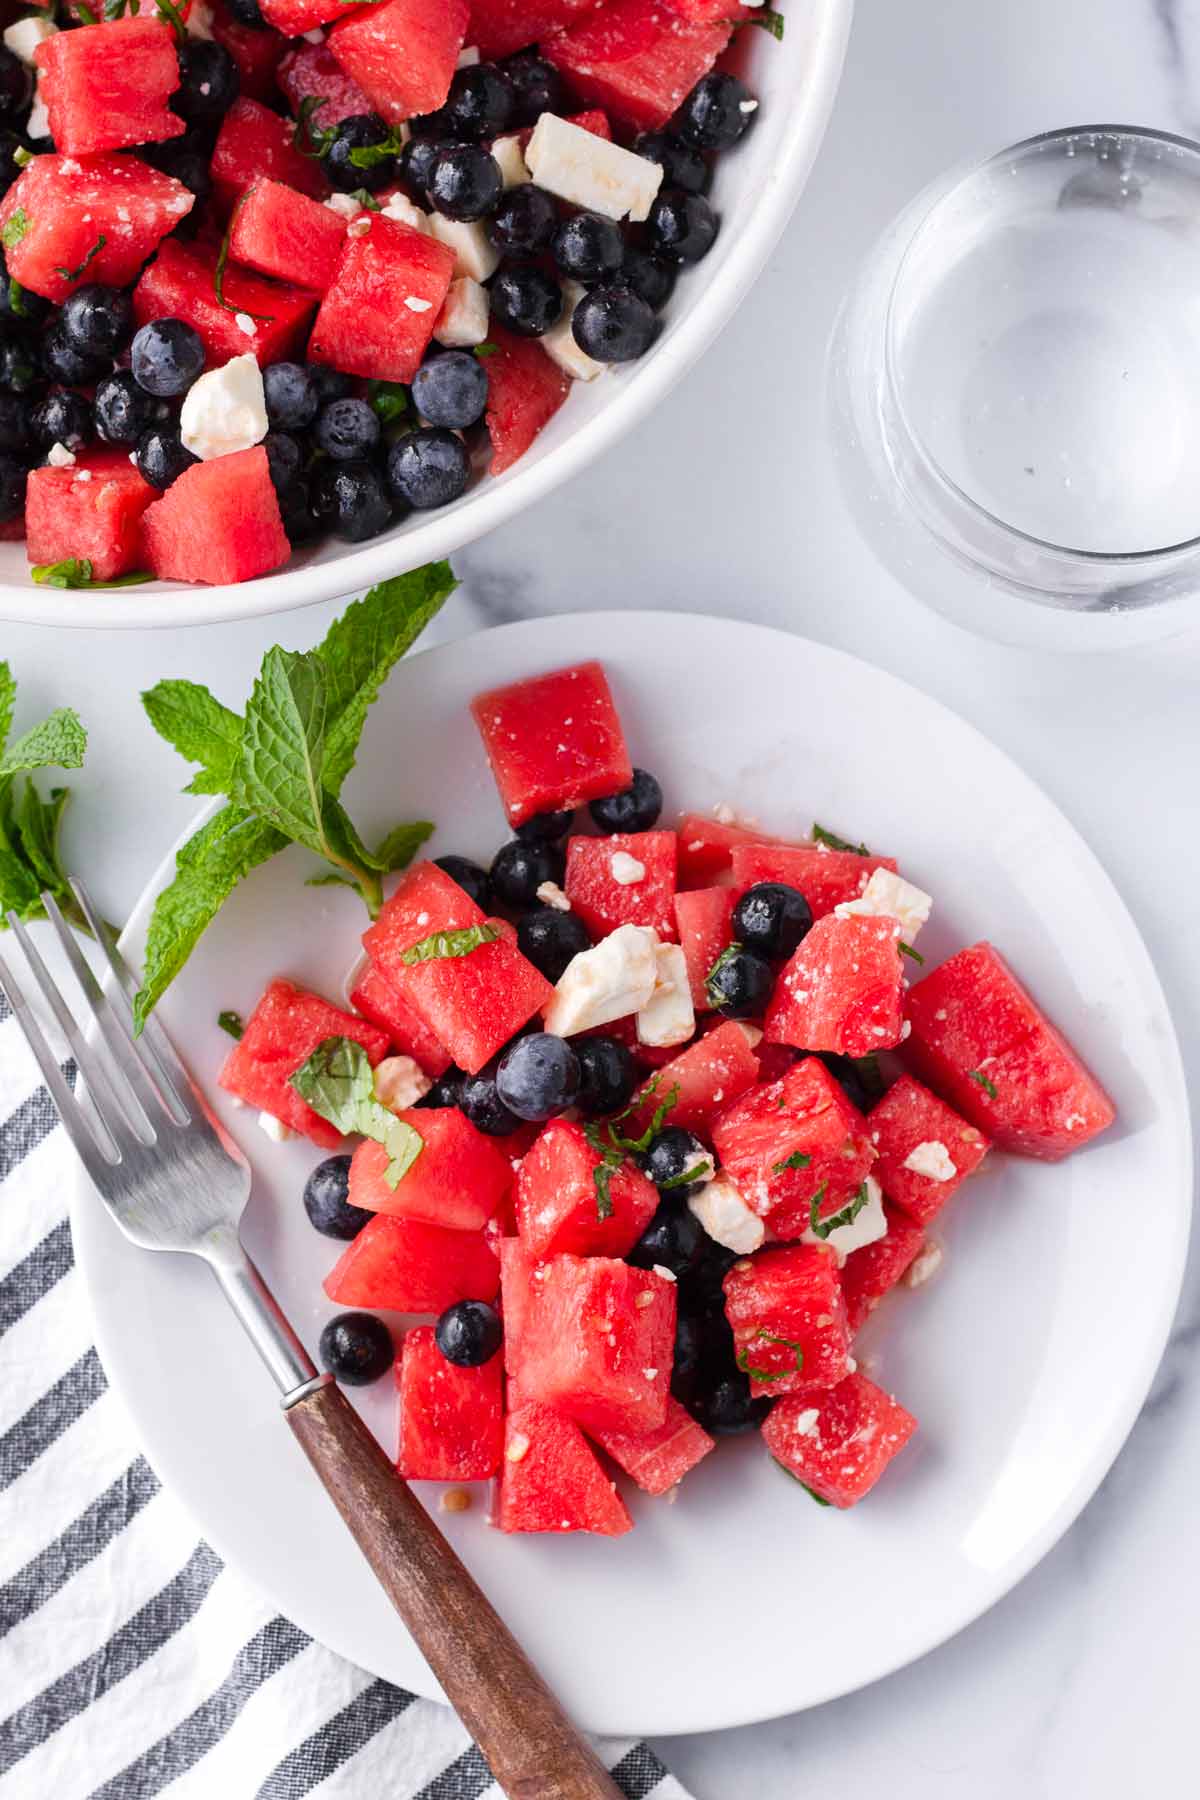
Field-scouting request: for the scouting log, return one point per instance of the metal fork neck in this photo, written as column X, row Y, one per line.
column 291, row 1366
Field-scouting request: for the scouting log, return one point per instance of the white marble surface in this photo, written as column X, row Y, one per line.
column 1081, row 1683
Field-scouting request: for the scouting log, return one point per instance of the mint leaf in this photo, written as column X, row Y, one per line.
column 200, row 728
column 443, row 944
column 369, row 156
column 984, row 1081
column 832, row 841
column 97, row 247
column 797, row 1160
column 698, row 1172
column 8, row 699
column 387, row 399
column 713, row 993
column 278, row 771
column 338, row 1082
column 767, row 19
column 232, row 1023
column 401, row 845
column 821, row 1228
column 907, row 950
column 59, row 740
column 15, row 228
column 769, row 1337
column 792, row 1476
column 76, row 572
column 37, row 822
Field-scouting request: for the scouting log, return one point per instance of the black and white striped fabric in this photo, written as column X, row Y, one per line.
column 132, row 1663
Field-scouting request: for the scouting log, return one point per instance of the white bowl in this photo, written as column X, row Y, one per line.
column 755, row 190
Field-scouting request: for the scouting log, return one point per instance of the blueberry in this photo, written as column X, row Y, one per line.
column 124, row 410
column 526, row 299
column 16, row 86
column 519, row 869
column 10, row 143
column 524, row 222
column 300, row 523
column 166, row 356
column 464, row 182
column 726, row 1408
column 96, row 318
column 446, row 1090
column 635, row 808
column 451, row 389
column 16, row 425
column 706, row 1290
column 161, row 456
column 328, row 383
column 685, row 1363
column 538, row 1077
column 608, row 1076
column 360, row 131
column 480, row 104
column 12, row 488
column 673, row 1154
column 346, row 429
column 613, row 324
column 651, row 279
column 674, row 1239
column 470, row 877
column 351, row 500
column 291, row 395
column 285, row 459
column 587, row 247
column 772, row 918
column 248, row 12
column 480, row 1100
column 187, row 161
column 537, row 86
column 549, row 939
column 717, row 112
column 357, row 1348
column 65, row 363
column 326, row 1203
column 545, row 828
column 682, row 166
column 428, row 468
column 740, row 982
column 21, row 366
column 849, row 1078
column 209, row 81
column 63, row 418
column 414, row 166
column 469, row 1333
column 681, row 226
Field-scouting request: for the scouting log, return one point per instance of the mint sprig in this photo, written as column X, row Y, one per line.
column 831, row 841
column 281, row 765
column 78, row 572
column 15, row 227
column 797, row 1160
column 30, row 864
column 97, row 247
column 443, row 945
column 612, row 1146
column 983, row 1081
column 764, row 1336
column 821, row 1228
column 338, row 1082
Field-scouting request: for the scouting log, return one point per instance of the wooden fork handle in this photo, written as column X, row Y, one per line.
column 534, row 1751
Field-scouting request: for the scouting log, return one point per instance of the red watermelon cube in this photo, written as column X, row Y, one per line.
column 826, row 878
column 590, row 1336
column 498, row 27
column 282, row 233
column 705, row 1079
column 93, row 510
column 554, row 741
column 636, row 59
column 706, row 847
column 525, row 390
column 788, row 1318
column 702, row 918
column 659, row 1460
column 388, row 287
column 870, row 1273
column 402, row 53
column 925, row 1150
column 294, row 17
column 255, row 51
column 281, row 1033
column 219, row 521
column 107, row 88
column 404, row 1265
column 551, row 1479
column 458, row 1180
column 181, row 283
column 312, row 71
column 843, row 990
column 597, row 886
column 558, row 1203
column 376, row 999
column 65, row 223
column 838, row 1441
column 789, row 1142
column 473, row 1004
column 255, row 141
column 451, row 1418
column 980, row 1038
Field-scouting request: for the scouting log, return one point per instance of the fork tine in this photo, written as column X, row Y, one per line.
column 114, row 1107
column 154, row 1047
column 97, row 1157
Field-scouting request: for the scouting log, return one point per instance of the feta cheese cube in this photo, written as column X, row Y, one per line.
column 888, row 896
column 463, row 320
column 275, row 1129
column 38, row 124
column 614, row 978
column 24, row 37
column 726, row 1217
column 345, row 204
column 59, row 457
column 474, row 255
column 400, row 1082
column 559, row 342
column 668, row 1016
column 550, row 894
column 931, row 1159
column 507, row 152
column 869, row 1225
column 587, row 170
column 225, row 410
column 400, row 208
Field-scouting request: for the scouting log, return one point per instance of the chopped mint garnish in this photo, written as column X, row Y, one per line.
column 222, row 264
column 387, row 400
column 612, row 1146
column 15, row 228
column 312, row 140
column 231, row 1022
column 797, row 1160
column 985, row 1082
column 698, row 1172
column 769, row 21
column 369, row 156
column 443, row 944
column 832, row 841
column 76, row 572
column 86, row 15
column 368, row 202
column 97, row 247
column 907, row 950
column 173, row 18
column 870, row 1074
column 792, row 1476
column 769, row 1337
column 22, row 157
column 338, row 1082
column 486, row 349
column 822, row 1227
column 714, row 995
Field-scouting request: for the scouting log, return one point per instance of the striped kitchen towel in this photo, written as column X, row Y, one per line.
column 132, row 1663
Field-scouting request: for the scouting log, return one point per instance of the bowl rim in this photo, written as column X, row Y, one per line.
column 826, row 32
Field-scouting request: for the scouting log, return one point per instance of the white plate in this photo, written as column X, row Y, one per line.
column 1025, row 1362
column 755, row 190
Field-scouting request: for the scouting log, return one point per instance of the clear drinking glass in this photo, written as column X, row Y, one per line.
column 1015, row 391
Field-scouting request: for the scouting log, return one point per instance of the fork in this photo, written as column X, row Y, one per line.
column 173, row 1179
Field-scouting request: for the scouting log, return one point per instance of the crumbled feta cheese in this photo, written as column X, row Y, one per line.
column 38, row 123
column 932, row 1159
column 59, row 457
column 24, row 37
column 224, row 410
column 360, row 226
column 614, row 978
column 83, row 475
column 726, row 1217
column 400, row 208
column 400, row 1083
column 626, row 869
column 666, row 1274
column 867, row 1228
column 905, row 1030
column 468, row 56
column 578, row 166
column 559, row 342
column 668, row 1016
column 888, row 896
column 463, row 320
column 508, row 154
column 518, row 1447
column 550, row 894
column 749, row 106
column 474, row 255
column 345, row 204
column 806, row 1422
column 723, row 813
column 415, row 303
column 276, row 1130
column 925, row 1264
column 317, row 36
column 245, row 324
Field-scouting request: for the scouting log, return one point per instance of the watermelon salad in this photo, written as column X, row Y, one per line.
column 281, row 269
column 650, row 1120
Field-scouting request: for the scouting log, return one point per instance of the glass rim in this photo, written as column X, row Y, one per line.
column 1110, row 559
